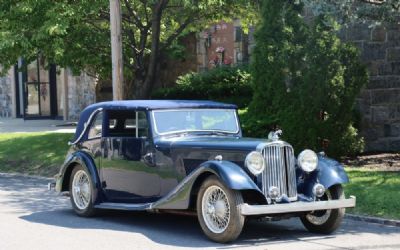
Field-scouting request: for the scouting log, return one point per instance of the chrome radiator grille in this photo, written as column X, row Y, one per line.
column 279, row 170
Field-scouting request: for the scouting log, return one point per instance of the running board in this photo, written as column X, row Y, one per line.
column 124, row 206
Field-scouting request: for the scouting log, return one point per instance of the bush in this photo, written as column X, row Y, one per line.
column 225, row 84
column 305, row 82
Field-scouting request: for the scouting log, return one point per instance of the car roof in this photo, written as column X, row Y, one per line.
column 159, row 104
column 146, row 105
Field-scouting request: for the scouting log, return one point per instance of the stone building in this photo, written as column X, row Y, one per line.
column 39, row 93
column 379, row 101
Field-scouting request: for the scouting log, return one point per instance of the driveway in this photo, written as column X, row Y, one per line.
column 33, row 218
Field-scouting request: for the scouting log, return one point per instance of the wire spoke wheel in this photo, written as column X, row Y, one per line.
column 326, row 221
column 216, row 209
column 320, row 217
column 81, row 190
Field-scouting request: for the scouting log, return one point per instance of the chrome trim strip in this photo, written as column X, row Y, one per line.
column 262, row 145
column 124, row 206
column 299, row 206
column 86, row 126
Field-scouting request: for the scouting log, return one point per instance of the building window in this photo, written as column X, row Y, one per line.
column 238, row 34
column 37, row 89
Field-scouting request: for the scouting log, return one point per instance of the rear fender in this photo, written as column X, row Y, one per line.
column 86, row 161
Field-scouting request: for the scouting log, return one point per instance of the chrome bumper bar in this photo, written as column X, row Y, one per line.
column 299, row 206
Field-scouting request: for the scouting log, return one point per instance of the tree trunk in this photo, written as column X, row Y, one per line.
column 148, row 83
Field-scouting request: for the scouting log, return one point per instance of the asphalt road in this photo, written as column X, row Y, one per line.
column 33, row 218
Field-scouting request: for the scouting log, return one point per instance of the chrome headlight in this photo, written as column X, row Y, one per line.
column 308, row 160
column 255, row 162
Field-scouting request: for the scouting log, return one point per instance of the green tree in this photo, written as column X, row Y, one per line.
column 224, row 84
column 76, row 33
column 305, row 81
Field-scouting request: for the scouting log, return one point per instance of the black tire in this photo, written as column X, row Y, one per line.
column 89, row 210
column 236, row 221
column 335, row 217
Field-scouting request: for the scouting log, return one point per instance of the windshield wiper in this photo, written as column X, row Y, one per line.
column 176, row 134
column 215, row 133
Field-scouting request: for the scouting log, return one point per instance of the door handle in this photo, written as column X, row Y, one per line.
column 149, row 159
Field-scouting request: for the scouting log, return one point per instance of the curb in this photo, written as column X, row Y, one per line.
column 388, row 222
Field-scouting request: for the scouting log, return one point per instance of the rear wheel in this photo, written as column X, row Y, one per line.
column 81, row 192
column 218, row 211
column 326, row 221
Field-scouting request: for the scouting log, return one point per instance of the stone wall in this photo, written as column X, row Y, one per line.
column 81, row 93
column 379, row 102
column 5, row 97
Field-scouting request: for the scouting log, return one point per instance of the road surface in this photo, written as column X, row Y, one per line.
column 33, row 218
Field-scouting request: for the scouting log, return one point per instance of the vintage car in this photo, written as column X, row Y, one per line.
column 190, row 156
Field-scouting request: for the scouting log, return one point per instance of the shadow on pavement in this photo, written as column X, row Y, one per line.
column 29, row 196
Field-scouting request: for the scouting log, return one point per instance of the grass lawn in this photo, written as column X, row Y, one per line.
column 377, row 192
column 33, row 153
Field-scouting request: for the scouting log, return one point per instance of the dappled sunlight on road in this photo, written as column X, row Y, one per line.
column 28, row 195
column 29, row 209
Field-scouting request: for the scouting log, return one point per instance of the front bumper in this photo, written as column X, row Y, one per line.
column 299, row 206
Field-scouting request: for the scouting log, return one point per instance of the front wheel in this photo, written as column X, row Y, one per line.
column 218, row 211
column 81, row 192
column 326, row 221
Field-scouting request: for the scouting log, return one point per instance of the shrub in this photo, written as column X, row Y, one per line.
column 305, row 82
column 225, row 84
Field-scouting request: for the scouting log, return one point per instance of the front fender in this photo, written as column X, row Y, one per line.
column 77, row 158
column 331, row 172
column 230, row 174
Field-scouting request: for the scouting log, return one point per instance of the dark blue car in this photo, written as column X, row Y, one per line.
column 190, row 155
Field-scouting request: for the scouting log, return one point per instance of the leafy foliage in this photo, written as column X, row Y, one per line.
column 77, row 34
column 225, row 84
column 68, row 34
column 305, row 81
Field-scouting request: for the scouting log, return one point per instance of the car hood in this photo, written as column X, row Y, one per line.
column 210, row 142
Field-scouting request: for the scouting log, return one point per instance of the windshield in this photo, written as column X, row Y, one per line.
column 185, row 120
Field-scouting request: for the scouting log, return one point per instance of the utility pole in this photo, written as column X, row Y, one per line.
column 116, row 50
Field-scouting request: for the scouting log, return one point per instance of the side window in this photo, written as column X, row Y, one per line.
column 127, row 123
column 96, row 127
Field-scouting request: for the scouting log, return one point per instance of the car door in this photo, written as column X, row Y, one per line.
column 126, row 174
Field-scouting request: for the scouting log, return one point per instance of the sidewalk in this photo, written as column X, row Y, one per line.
column 21, row 125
